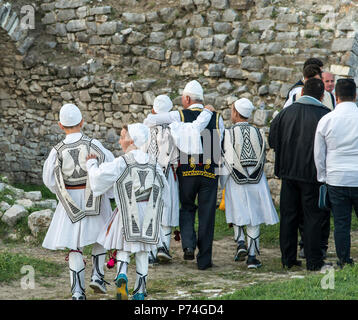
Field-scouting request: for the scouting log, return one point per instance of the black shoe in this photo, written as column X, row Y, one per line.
column 341, row 263
column 253, row 263
column 210, row 265
column 295, row 263
column 188, row 254
column 163, row 255
column 241, row 252
column 319, row 267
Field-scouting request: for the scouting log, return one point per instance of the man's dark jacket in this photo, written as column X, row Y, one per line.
column 292, row 134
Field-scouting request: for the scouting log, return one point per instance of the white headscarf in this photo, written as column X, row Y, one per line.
column 162, row 104
column 70, row 115
column 139, row 133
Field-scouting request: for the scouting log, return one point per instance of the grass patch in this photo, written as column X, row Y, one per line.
column 46, row 193
column 309, row 288
column 11, row 264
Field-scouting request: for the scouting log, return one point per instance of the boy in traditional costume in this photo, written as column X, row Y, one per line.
column 142, row 194
column 247, row 196
column 80, row 215
column 163, row 148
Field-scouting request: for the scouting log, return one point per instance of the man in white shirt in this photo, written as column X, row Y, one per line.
column 336, row 158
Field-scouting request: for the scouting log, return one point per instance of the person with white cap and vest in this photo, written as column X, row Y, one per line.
column 197, row 133
column 142, row 195
column 80, row 215
column 163, row 143
column 248, row 200
column 162, row 147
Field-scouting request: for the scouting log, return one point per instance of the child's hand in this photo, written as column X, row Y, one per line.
column 91, row 156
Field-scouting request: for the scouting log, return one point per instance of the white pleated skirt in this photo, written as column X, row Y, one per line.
column 62, row 233
column 170, row 216
column 112, row 235
column 249, row 203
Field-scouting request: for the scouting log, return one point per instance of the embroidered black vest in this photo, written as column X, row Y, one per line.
column 203, row 164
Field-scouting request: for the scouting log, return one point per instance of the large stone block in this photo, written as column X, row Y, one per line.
column 76, row 25
column 156, row 53
column 280, row 73
column 33, row 195
column 39, row 221
column 220, row 4
column 342, row 44
column 65, row 15
column 107, row 28
column 14, row 214
column 235, row 73
column 252, row 63
column 143, row 85
column 133, row 17
column 157, row 37
column 261, row 25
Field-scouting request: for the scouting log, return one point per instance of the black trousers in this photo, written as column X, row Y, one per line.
column 326, row 229
column 206, row 190
column 343, row 199
column 297, row 198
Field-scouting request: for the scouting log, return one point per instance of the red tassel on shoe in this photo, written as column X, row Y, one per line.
column 177, row 235
column 112, row 260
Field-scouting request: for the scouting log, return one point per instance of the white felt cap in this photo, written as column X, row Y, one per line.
column 139, row 133
column 244, row 107
column 162, row 104
column 70, row 115
column 194, row 88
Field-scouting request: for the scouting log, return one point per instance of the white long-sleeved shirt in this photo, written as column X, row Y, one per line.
column 336, row 146
column 174, row 117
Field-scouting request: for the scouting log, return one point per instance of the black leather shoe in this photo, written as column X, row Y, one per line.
column 297, row 263
column 341, row 264
column 319, row 267
column 188, row 254
column 205, row 267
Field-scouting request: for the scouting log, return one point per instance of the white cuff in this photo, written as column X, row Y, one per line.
column 90, row 163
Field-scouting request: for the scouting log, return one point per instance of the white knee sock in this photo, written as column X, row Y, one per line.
column 239, row 234
column 166, row 233
column 141, row 260
column 77, row 272
column 98, row 258
column 123, row 259
column 253, row 233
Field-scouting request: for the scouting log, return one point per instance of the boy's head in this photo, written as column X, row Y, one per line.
column 162, row 104
column 71, row 120
column 241, row 110
column 134, row 136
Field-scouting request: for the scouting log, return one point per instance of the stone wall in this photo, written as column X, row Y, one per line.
column 113, row 58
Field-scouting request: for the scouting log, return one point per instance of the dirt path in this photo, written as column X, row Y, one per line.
column 177, row 280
